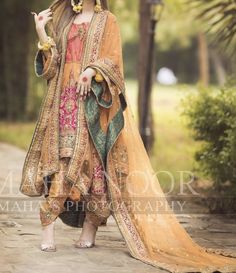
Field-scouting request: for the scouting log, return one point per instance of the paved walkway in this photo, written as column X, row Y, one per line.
column 20, row 234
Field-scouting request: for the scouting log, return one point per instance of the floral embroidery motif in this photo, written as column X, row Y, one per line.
column 68, row 114
column 98, row 177
column 68, row 106
column 98, row 172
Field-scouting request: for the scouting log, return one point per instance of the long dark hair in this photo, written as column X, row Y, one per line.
column 62, row 14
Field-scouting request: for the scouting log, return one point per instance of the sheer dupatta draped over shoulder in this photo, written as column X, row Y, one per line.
column 156, row 238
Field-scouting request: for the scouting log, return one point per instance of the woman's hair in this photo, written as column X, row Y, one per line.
column 62, row 14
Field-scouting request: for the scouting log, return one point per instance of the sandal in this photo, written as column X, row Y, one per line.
column 84, row 243
column 48, row 245
column 48, row 248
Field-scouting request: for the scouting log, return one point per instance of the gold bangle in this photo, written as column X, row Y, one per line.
column 47, row 45
column 99, row 77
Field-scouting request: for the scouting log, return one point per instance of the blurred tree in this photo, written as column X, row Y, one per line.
column 128, row 16
column 203, row 59
column 148, row 19
column 220, row 23
column 20, row 91
column 179, row 29
column 178, row 26
column 16, row 30
column 14, row 50
column 36, row 87
column 220, row 16
column 145, row 126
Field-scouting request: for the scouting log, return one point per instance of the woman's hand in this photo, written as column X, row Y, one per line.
column 42, row 18
column 84, row 83
column 41, row 21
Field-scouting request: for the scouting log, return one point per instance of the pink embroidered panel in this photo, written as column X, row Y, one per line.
column 76, row 38
column 69, row 99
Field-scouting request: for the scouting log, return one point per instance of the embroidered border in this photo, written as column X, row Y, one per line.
column 53, row 164
column 94, row 37
column 31, row 167
column 31, row 163
column 123, row 219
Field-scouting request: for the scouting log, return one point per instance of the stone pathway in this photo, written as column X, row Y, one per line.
column 20, row 234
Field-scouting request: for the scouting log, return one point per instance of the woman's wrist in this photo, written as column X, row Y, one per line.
column 39, row 27
column 96, row 74
column 43, row 37
column 93, row 71
column 40, row 30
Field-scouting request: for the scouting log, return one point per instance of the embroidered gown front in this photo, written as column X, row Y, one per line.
column 69, row 99
column 69, row 110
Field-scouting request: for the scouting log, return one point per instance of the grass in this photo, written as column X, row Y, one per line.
column 17, row 133
column 173, row 149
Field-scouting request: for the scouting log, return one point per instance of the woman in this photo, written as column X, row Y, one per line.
column 86, row 156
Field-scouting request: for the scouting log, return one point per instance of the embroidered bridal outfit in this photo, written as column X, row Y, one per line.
column 76, row 141
column 71, row 118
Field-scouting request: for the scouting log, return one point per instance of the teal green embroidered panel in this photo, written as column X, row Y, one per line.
column 103, row 142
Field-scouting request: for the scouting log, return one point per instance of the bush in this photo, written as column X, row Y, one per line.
column 212, row 119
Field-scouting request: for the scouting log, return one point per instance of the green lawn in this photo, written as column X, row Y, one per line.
column 17, row 133
column 174, row 148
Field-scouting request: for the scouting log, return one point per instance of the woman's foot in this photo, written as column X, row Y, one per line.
column 87, row 237
column 48, row 243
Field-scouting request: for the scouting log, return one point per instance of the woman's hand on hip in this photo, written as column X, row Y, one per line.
column 84, row 83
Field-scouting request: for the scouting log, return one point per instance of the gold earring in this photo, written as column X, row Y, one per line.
column 77, row 8
column 98, row 6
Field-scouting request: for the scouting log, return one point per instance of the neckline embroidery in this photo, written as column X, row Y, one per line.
column 79, row 30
